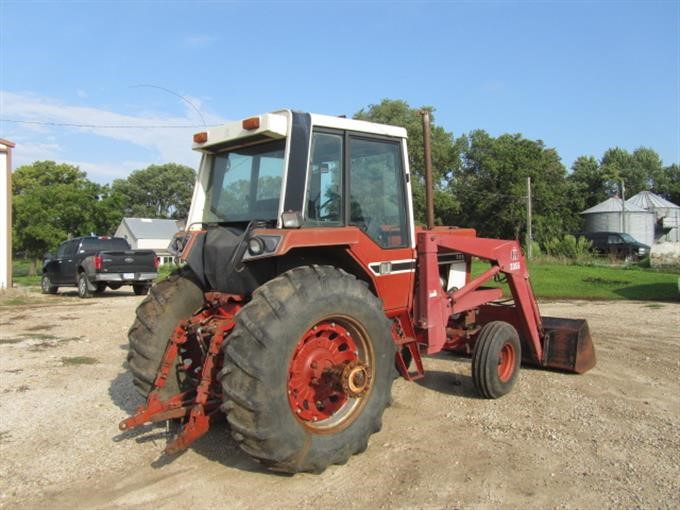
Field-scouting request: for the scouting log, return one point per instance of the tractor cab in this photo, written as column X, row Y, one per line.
column 291, row 178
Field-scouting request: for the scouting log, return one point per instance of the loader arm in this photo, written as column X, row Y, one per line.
column 565, row 344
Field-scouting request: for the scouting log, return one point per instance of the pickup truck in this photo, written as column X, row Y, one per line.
column 93, row 263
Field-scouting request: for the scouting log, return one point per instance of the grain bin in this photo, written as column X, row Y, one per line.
column 666, row 214
column 609, row 216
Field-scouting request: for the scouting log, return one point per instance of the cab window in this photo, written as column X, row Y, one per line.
column 324, row 181
column 377, row 203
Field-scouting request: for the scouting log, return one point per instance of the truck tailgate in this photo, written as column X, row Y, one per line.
column 132, row 261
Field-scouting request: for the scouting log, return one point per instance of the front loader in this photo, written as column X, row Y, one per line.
column 306, row 288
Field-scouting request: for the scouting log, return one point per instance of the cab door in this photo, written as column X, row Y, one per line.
column 379, row 206
column 67, row 263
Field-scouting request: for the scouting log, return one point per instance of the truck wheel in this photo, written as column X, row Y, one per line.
column 308, row 370
column 141, row 290
column 174, row 299
column 46, row 286
column 83, row 288
column 496, row 359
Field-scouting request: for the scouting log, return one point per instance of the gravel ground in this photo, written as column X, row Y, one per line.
column 607, row 439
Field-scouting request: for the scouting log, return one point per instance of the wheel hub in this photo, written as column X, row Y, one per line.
column 506, row 362
column 325, row 372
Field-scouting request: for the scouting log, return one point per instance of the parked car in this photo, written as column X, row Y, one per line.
column 93, row 263
column 617, row 244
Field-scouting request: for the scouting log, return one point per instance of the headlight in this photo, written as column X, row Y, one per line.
column 255, row 246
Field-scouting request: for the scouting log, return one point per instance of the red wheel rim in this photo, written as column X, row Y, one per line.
column 315, row 394
column 506, row 362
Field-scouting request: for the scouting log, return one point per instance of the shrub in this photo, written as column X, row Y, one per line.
column 569, row 247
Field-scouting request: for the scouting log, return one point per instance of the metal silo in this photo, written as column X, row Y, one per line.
column 609, row 216
column 666, row 214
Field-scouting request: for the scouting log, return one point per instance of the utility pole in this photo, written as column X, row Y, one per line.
column 530, row 237
column 623, row 207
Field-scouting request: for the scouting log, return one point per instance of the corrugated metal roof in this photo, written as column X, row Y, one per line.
column 613, row 204
column 648, row 200
column 151, row 228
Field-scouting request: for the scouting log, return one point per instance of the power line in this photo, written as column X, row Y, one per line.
column 106, row 126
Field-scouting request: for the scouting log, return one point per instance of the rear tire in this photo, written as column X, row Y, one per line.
column 496, row 359
column 281, row 412
column 46, row 286
column 174, row 299
column 141, row 290
column 84, row 291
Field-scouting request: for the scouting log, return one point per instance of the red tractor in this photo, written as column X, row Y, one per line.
column 306, row 289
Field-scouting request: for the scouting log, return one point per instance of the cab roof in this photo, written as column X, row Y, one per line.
column 276, row 125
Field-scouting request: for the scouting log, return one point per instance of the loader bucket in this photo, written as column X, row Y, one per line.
column 568, row 345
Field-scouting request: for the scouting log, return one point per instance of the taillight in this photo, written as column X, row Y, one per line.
column 156, row 262
column 97, row 262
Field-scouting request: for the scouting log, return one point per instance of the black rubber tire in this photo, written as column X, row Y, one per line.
column 141, row 290
column 101, row 287
column 46, row 286
column 84, row 291
column 492, row 338
column 171, row 300
column 256, row 363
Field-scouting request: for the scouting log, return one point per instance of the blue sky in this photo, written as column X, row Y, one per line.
column 581, row 76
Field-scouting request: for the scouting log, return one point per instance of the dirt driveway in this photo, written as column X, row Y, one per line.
column 606, row 439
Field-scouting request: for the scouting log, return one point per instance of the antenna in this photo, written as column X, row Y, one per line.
column 174, row 94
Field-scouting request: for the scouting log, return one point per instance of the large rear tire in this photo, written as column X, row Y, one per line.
column 496, row 359
column 308, row 370
column 174, row 299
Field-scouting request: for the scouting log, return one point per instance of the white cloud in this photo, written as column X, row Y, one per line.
column 148, row 131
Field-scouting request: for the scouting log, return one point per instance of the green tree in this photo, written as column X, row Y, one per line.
column 491, row 187
column 589, row 182
column 640, row 170
column 158, row 191
column 668, row 184
column 52, row 202
column 446, row 151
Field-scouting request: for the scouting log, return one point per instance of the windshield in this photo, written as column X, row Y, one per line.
column 97, row 244
column 627, row 238
column 245, row 184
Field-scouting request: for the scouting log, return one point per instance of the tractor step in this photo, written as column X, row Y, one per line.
column 413, row 349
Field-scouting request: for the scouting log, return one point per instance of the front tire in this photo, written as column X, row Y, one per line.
column 308, row 370
column 174, row 299
column 496, row 359
column 46, row 286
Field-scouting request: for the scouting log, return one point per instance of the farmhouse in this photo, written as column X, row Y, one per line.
column 150, row 234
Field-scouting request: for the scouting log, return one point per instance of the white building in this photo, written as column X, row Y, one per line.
column 150, row 234
column 5, row 213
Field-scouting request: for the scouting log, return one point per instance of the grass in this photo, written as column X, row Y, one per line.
column 553, row 280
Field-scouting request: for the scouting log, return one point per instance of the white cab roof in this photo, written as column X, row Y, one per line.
column 276, row 125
